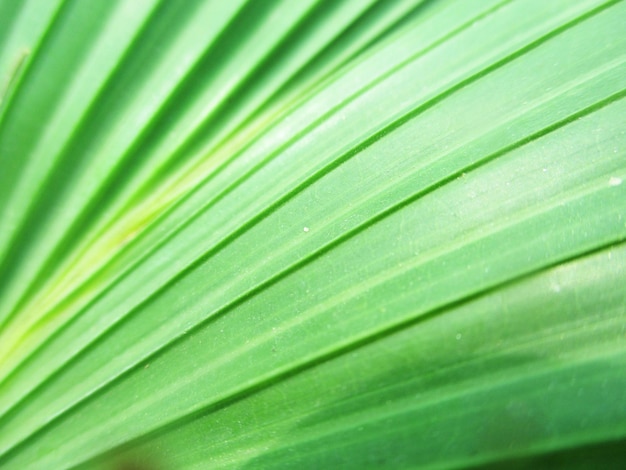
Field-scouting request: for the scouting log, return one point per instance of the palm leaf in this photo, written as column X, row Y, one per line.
column 326, row 234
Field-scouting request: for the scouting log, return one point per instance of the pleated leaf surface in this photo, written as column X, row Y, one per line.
column 312, row 234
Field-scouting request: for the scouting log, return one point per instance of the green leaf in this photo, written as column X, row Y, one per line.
column 312, row 234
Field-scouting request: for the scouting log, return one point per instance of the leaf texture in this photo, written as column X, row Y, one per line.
column 312, row 234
